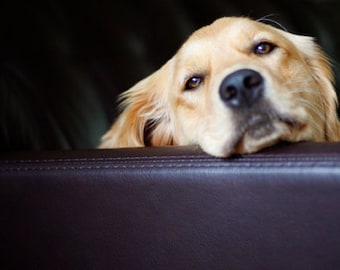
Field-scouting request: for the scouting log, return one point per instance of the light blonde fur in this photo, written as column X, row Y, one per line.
column 298, row 90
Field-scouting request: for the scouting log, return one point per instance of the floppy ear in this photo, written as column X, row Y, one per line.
column 323, row 75
column 146, row 116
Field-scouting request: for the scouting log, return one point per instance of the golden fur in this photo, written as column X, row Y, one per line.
column 180, row 103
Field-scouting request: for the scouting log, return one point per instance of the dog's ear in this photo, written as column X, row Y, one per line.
column 146, row 117
column 323, row 76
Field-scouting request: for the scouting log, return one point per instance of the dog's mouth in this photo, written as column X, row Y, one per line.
column 258, row 126
column 262, row 129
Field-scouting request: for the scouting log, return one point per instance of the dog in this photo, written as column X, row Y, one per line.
column 235, row 86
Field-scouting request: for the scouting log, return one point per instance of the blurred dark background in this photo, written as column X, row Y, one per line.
column 63, row 63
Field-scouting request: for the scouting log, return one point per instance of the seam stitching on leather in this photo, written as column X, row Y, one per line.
column 160, row 166
column 286, row 158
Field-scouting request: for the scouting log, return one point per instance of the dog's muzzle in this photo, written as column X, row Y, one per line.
column 242, row 88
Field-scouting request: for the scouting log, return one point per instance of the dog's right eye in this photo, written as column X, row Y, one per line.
column 193, row 82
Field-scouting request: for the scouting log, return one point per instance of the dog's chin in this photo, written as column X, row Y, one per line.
column 255, row 133
column 263, row 130
column 260, row 137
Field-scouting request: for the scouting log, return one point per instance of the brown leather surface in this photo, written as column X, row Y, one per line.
column 171, row 208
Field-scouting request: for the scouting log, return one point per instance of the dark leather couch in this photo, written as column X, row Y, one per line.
column 66, row 205
column 171, row 208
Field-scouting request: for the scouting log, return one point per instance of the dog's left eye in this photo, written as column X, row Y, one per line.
column 264, row 48
column 193, row 82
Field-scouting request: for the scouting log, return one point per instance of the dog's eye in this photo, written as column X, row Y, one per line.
column 193, row 82
column 264, row 48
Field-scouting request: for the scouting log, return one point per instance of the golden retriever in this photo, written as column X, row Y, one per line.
column 235, row 86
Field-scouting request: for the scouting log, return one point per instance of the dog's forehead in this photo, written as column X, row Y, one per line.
column 231, row 30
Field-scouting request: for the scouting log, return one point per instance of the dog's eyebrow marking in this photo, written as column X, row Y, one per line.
column 267, row 20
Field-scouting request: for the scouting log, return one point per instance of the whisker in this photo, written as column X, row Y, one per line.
column 267, row 20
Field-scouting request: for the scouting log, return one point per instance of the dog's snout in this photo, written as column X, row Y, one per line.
column 242, row 88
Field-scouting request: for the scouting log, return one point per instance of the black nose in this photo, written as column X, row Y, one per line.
column 242, row 88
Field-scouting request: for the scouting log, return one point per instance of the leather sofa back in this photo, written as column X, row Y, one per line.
column 171, row 208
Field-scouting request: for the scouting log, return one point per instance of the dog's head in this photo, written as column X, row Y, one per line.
column 235, row 86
